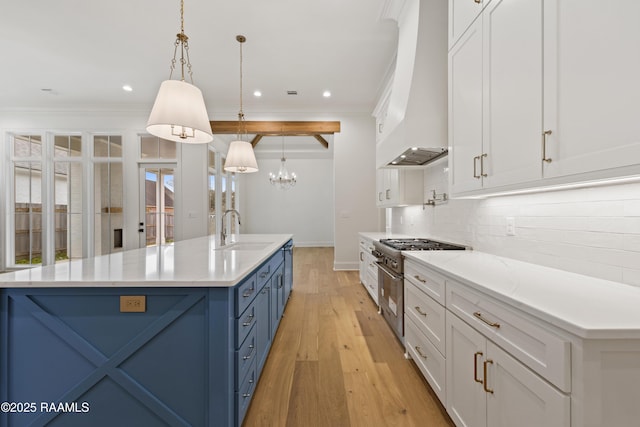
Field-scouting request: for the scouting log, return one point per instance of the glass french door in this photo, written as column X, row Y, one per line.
column 157, row 195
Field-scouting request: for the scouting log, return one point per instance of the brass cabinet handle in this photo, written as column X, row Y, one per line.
column 361, row 259
column 478, row 1
column 420, row 279
column 387, row 194
column 379, row 196
column 420, row 311
column 492, row 324
column 482, row 165
column 475, row 173
column 486, row 362
column 544, row 146
column 475, row 367
column 419, row 350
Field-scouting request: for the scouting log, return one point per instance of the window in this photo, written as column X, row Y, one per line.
column 68, row 197
column 108, row 187
column 211, row 179
column 27, row 199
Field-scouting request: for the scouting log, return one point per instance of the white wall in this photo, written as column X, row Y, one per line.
column 593, row 231
column 305, row 210
column 355, row 193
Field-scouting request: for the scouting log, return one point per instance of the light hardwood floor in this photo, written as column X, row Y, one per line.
column 335, row 362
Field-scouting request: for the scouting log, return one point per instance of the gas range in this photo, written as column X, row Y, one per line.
column 388, row 251
column 391, row 275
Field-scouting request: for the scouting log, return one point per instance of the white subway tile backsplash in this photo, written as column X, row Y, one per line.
column 593, row 231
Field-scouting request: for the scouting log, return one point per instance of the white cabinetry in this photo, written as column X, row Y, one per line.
column 398, row 187
column 538, row 98
column 488, row 387
column 368, row 268
column 592, row 93
column 461, row 15
column 424, row 323
column 496, row 97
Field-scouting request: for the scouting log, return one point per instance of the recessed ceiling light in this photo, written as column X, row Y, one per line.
column 326, row 94
column 257, row 94
column 127, row 88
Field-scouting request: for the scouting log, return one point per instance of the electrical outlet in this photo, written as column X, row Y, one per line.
column 133, row 304
column 511, row 226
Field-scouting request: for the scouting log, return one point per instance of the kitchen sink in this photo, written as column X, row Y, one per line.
column 245, row 246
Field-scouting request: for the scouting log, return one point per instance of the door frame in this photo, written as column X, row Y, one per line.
column 142, row 168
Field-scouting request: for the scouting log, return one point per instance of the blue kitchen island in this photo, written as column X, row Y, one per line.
column 174, row 335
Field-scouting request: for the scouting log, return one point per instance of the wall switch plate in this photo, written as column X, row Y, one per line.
column 511, row 226
column 133, row 304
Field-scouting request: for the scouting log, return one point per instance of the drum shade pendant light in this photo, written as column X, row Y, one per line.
column 240, row 157
column 179, row 113
column 283, row 179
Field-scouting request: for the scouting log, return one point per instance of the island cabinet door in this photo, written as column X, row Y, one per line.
column 160, row 356
column 263, row 325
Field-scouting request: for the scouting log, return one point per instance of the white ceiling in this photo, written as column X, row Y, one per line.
column 85, row 51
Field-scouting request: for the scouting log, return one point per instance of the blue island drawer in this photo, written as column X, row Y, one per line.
column 268, row 268
column 245, row 293
column 245, row 356
column 245, row 393
column 244, row 324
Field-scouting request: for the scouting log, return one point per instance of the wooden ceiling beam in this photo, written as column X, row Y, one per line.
column 277, row 128
column 255, row 140
column 322, row 141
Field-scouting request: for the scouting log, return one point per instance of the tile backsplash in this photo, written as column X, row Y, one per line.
column 593, row 231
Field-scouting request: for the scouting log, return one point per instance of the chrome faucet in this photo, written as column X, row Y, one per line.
column 223, row 233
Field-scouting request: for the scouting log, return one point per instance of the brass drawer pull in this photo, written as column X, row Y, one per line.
column 482, row 165
column 475, row 173
column 478, row 1
column 419, row 279
column 488, row 390
column 544, row 146
column 419, row 310
column 475, row 367
column 488, row 322
column 419, row 350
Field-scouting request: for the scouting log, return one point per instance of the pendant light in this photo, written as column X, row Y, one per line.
column 283, row 179
column 179, row 113
column 240, row 157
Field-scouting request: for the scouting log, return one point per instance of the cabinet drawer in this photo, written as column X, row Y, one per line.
column 429, row 360
column 268, row 268
column 245, row 392
column 426, row 313
column 245, row 355
column 244, row 323
column 427, row 280
column 245, row 293
column 522, row 336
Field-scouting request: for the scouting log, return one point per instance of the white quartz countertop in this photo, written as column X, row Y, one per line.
column 190, row 263
column 582, row 305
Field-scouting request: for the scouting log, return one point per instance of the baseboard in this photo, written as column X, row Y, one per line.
column 346, row 266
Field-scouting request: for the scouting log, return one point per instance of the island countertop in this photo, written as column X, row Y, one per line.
column 197, row 262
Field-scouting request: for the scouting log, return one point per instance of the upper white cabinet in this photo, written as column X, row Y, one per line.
column 399, row 187
column 461, row 15
column 537, row 97
column 592, row 88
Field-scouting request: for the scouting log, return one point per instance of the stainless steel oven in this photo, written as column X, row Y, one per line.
column 391, row 275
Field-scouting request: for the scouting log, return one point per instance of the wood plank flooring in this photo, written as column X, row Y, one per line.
column 335, row 362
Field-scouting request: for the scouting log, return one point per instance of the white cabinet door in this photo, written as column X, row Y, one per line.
column 592, row 91
column 466, row 399
column 465, row 110
column 512, row 91
column 461, row 14
column 520, row 397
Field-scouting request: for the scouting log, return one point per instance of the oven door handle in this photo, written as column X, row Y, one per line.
column 389, row 273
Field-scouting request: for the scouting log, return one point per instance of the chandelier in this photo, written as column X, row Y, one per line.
column 179, row 113
column 240, row 157
column 283, row 179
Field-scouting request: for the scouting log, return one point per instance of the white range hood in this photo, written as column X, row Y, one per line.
column 416, row 115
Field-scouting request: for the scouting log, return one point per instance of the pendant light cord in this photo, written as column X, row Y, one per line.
column 183, row 41
column 241, row 39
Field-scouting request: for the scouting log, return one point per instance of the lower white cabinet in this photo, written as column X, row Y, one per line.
column 488, row 387
column 368, row 269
